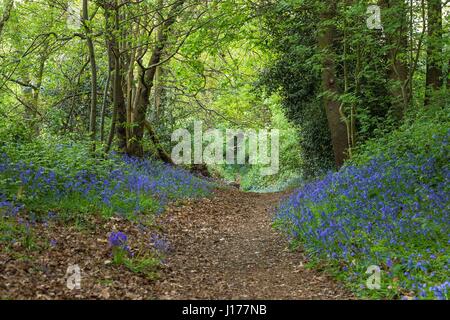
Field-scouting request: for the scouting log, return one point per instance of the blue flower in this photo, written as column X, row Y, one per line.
column 160, row 243
column 367, row 214
column 118, row 239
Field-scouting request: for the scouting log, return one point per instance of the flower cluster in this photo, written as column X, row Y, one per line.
column 118, row 239
column 160, row 243
column 131, row 186
column 7, row 207
column 392, row 212
column 120, row 250
column 441, row 292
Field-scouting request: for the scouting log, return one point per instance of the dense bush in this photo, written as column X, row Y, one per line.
column 389, row 207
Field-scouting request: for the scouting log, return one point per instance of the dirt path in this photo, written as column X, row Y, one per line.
column 225, row 248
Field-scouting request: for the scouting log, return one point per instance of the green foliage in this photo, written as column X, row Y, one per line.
column 62, row 155
column 232, row 64
column 290, row 157
column 13, row 231
column 146, row 265
column 295, row 76
column 415, row 136
column 387, row 207
column 53, row 174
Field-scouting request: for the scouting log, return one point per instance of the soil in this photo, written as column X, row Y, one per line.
column 225, row 248
column 221, row 247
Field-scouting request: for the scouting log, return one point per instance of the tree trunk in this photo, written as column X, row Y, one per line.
column 146, row 79
column 434, row 49
column 129, row 91
column 112, row 130
column 337, row 127
column 162, row 154
column 105, row 102
column 395, row 26
column 158, row 93
column 90, row 45
column 37, row 90
column 118, row 95
column 119, row 106
column 143, row 100
column 8, row 5
column 448, row 75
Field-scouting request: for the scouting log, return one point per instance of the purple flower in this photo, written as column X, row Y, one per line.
column 389, row 206
column 160, row 243
column 118, row 239
column 389, row 263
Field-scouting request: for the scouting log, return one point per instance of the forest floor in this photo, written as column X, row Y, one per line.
column 222, row 247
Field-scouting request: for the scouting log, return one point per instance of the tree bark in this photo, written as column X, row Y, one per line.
column 448, row 75
column 162, row 154
column 146, row 79
column 434, row 49
column 158, row 93
column 119, row 97
column 90, row 45
column 37, row 90
column 120, row 106
column 119, row 119
column 395, row 26
column 8, row 5
column 105, row 101
column 337, row 127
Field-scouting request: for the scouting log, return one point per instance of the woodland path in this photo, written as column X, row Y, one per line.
column 225, row 248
